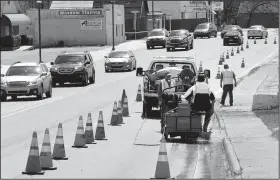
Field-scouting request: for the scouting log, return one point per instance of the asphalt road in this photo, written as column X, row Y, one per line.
column 118, row 157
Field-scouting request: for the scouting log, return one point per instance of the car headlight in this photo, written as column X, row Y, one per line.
column 3, row 83
column 107, row 61
column 33, row 82
column 78, row 68
column 54, row 69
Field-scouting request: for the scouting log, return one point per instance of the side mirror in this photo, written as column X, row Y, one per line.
column 139, row 71
column 44, row 74
column 52, row 63
column 207, row 73
column 105, row 56
column 87, row 62
column 190, row 34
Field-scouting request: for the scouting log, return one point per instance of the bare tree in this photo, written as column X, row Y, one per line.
column 258, row 6
column 230, row 12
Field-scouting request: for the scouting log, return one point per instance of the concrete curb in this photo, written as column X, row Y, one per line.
column 234, row 164
column 265, row 101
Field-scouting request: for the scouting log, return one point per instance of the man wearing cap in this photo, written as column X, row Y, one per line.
column 227, row 78
column 202, row 99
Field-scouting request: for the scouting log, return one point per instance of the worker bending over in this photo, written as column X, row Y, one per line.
column 202, row 99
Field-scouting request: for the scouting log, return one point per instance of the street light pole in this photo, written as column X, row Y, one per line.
column 39, row 18
column 153, row 18
column 113, row 25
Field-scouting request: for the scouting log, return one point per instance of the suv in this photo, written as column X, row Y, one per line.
column 73, row 67
column 205, row 30
column 157, row 37
column 179, row 39
column 173, row 64
column 26, row 79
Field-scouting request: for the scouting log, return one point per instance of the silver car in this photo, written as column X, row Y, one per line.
column 257, row 31
column 120, row 60
column 26, row 79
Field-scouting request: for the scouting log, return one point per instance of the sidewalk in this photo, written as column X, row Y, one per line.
column 251, row 133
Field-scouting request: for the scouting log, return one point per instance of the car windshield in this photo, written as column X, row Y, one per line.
column 255, row 27
column 177, row 33
column 118, row 54
column 231, row 27
column 161, row 65
column 156, row 33
column 23, row 71
column 202, row 26
column 69, row 59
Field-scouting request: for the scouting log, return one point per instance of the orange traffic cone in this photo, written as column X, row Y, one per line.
column 59, row 148
column 232, row 52
column 243, row 63
column 223, row 57
column 89, row 131
column 114, row 118
column 242, row 49
column 125, row 111
column 120, row 115
column 265, row 41
column 80, row 141
column 33, row 166
column 46, row 153
column 237, row 51
column 123, row 95
column 275, row 42
column 139, row 94
column 162, row 168
column 227, row 56
column 247, row 45
column 221, row 60
column 218, row 74
column 200, row 67
column 100, row 131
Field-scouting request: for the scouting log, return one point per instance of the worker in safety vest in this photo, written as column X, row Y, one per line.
column 202, row 99
column 227, row 78
column 166, row 83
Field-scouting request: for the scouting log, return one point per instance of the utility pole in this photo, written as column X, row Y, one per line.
column 153, row 18
column 113, row 25
column 39, row 18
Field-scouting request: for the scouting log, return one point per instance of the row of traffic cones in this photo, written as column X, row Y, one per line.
column 265, row 41
column 218, row 76
column 37, row 162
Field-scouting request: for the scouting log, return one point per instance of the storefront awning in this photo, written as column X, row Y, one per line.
column 18, row 19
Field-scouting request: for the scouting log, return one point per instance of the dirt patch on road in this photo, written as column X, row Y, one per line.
column 271, row 119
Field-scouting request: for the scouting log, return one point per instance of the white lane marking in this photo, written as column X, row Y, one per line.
column 61, row 97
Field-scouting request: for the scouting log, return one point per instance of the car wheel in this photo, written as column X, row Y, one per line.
column 153, row 47
column 85, row 80
column 225, row 43
column 209, row 35
column 41, row 95
column 91, row 80
column 106, row 70
column 14, row 97
column 49, row 93
column 191, row 45
column 167, row 49
column 135, row 66
column 163, row 46
column 3, row 98
column 194, row 37
column 216, row 34
column 148, row 47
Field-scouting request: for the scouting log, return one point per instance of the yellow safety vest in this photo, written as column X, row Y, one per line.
column 227, row 77
column 165, row 85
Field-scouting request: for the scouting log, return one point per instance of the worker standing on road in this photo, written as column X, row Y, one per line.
column 165, row 83
column 202, row 99
column 227, row 78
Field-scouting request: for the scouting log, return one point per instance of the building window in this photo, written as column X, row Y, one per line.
column 116, row 30
column 122, row 29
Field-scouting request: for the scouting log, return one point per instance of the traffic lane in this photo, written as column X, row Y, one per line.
column 48, row 55
column 68, row 89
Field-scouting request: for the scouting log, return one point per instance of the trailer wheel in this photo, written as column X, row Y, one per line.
column 166, row 136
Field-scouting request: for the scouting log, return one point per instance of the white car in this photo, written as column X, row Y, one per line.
column 26, row 79
column 257, row 31
column 120, row 60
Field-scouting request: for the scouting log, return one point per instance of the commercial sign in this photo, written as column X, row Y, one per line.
column 196, row 9
column 91, row 24
column 81, row 12
column 217, row 6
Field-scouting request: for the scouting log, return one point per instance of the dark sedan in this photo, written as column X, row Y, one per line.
column 233, row 37
column 228, row 28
